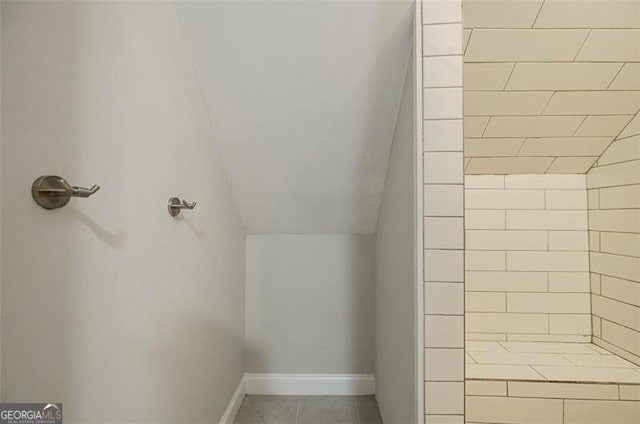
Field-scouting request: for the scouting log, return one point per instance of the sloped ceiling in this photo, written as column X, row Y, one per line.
column 548, row 84
column 303, row 98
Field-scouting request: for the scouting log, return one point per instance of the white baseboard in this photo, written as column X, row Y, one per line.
column 310, row 384
column 234, row 404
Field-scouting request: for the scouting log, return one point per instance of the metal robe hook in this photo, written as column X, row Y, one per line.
column 175, row 205
column 52, row 192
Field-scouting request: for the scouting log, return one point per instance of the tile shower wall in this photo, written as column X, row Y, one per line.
column 614, row 234
column 443, row 212
column 527, row 264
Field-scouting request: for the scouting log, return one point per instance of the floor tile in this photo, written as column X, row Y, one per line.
column 598, row 361
column 502, row 372
column 547, row 347
column 368, row 410
column 514, row 358
column 268, row 410
column 479, row 346
column 589, row 375
column 328, row 410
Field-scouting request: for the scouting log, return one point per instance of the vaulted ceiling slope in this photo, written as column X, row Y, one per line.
column 303, row 98
column 548, row 84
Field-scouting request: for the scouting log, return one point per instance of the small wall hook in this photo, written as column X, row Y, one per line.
column 175, row 205
column 52, row 192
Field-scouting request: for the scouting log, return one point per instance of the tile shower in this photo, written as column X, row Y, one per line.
column 552, row 286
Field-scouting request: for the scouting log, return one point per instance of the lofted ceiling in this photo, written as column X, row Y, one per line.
column 303, row 98
column 548, row 84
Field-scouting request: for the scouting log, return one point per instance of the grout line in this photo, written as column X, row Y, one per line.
column 578, row 129
column 615, row 76
column 504, row 88
column 582, row 45
column 537, row 14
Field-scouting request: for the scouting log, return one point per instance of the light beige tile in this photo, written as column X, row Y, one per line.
column 548, row 261
column 600, row 412
column 547, row 347
column 506, row 281
column 563, row 390
column 512, row 358
column 569, row 240
column 555, row 303
column 624, row 197
column 442, row 39
column 474, row 125
column 564, row 146
column 442, row 71
column 566, row 199
column 628, row 78
column 486, row 337
column 438, row 12
column 499, row 14
column 443, row 233
column 594, row 241
column 632, row 128
column 504, row 199
column 629, row 392
column 444, row 265
column 595, row 283
column 549, row 338
column 466, row 36
column 547, row 220
column 585, row 374
column 615, row 265
column 485, row 302
column 599, row 361
column 569, row 282
column 483, row 181
column 623, row 220
column 549, row 182
column 443, row 103
column 486, row 76
column 523, row 45
column 618, row 312
column 443, row 364
column 442, row 135
column 623, row 290
column 562, row 76
column 485, row 388
column 603, row 125
column 621, row 151
column 484, row 219
column 443, row 200
column 443, row 168
column 596, row 326
column 571, row 323
column 614, row 175
column 527, row 165
column 502, row 372
column 506, row 240
column 444, row 298
column 593, row 103
column 444, row 419
column 444, row 397
column 491, row 147
column 532, row 126
column 468, row 359
column 483, row 103
column 626, row 339
column 611, row 45
column 477, row 260
column 573, row 165
column 444, row 331
column 486, row 409
column 480, row 346
column 489, row 322
column 590, row 14
column 592, row 199
column 598, row 349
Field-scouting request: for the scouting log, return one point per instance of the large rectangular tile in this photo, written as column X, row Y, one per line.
column 511, row 358
column 548, row 182
column 564, row 146
column 483, row 103
column 547, row 261
column 555, row 303
column 599, row 361
column 615, row 265
column 571, row 323
column 443, row 233
column 502, row 372
column 524, row 45
column 601, row 412
column 442, row 39
column 442, row 71
column 547, row 220
column 562, row 76
column 442, row 103
column 603, row 125
column 506, row 281
column 444, row 331
column 444, row 298
column 590, row 14
column 569, row 282
column 569, row 240
column 443, row 168
column 485, row 302
column 443, row 200
column 438, row 12
column 504, row 165
column 563, row 390
column 572, row 164
column 593, row 102
column 547, row 347
column 474, row 126
column 444, row 397
column 481, row 322
column 484, row 409
column 611, row 45
column 621, row 151
column 480, row 346
column 626, row 339
column 566, row 199
column 620, row 243
column 444, row 265
column 614, row 175
column 532, row 126
column 478, row 260
column 485, row 388
column 484, row 219
column 486, row 76
column 498, row 14
column 506, row 240
column 443, row 135
column 615, row 220
column 623, row 290
column 618, row 312
column 444, row 364
column 492, row 147
column 504, row 199
column 627, row 78
column 483, row 181
column 590, row 375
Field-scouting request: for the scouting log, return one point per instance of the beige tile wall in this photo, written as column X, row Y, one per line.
column 527, row 260
column 614, row 235
column 443, row 211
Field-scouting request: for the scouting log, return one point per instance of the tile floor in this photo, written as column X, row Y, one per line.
column 536, row 361
column 308, row 410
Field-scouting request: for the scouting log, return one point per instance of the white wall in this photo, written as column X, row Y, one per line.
column 309, row 304
column 110, row 305
column 395, row 279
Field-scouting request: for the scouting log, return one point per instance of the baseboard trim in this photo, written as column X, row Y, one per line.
column 234, row 404
column 310, row 384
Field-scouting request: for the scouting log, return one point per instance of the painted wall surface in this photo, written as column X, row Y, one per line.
column 110, row 305
column 309, row 304
column 614, row 236
column 527, row 260
column 395, row 348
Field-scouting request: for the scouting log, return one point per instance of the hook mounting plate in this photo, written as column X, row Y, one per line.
column 48, row 192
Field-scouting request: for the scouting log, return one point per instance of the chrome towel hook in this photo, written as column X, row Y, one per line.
column 175, row 206
column 52, row 192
